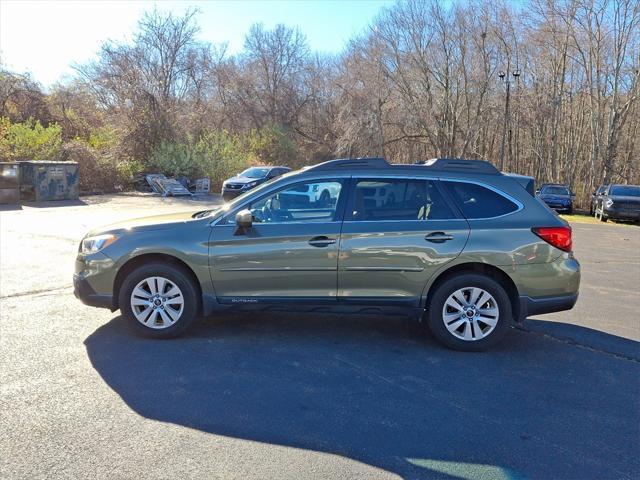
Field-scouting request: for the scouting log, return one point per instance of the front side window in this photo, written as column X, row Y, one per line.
column 398, row 199
column 313, row 201
column 477, row 201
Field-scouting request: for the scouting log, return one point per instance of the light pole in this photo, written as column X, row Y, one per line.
column 515, row 153
column 502, row 76
column 507, row 113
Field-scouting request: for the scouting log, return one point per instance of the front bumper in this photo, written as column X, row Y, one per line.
column 87, row 295
column 93, row 280
column 228, row 194
column 622, row 213
column 560, row 207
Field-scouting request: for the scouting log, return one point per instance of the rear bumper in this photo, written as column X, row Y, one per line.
column 537, row 306
column 87, row 295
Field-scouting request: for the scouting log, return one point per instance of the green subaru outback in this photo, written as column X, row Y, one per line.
column 455, row 243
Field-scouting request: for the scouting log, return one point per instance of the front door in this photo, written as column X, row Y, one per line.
column 397, row 232
column 290, row 252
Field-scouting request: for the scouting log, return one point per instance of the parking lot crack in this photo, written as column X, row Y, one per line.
column 42, row 291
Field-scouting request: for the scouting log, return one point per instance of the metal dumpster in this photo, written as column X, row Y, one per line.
column 43, row 180
column 9, row 182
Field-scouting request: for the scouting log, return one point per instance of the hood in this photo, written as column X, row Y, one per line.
column 243, row 180
column 155, row 222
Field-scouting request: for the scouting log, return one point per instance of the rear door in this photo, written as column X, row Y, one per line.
column 397, row 232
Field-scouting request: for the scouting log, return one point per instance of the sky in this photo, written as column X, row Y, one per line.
column 46, row 37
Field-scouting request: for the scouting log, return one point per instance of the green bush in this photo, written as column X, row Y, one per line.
column 270, row 145
column 220, row 154
column 30, row 141
column 176, row 159
column 103, row 138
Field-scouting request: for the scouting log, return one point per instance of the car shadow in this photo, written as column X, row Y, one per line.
column 50, row 204
column 583, row 336
column 7, row 207
column 379, row 391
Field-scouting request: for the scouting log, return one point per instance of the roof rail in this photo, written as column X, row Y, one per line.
column 460, row 165
column 366, row 162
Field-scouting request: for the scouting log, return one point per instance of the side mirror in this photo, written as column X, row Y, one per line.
column 244, row 221
column 537, row 192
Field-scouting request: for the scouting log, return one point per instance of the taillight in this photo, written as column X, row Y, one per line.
column 559, row 237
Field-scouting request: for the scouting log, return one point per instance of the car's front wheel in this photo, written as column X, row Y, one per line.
column 469, row 312
column 159, row 299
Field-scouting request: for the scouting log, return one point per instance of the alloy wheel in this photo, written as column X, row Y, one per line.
column 470, row 313
column 157, row 302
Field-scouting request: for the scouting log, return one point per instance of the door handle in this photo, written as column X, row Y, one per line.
column 321, row 241
column 438, row 237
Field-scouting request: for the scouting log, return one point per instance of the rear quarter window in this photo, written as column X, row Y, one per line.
column 477, row 201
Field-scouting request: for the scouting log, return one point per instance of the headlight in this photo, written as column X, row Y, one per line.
column 608, row 203
column 97, row 243
column 250, row 185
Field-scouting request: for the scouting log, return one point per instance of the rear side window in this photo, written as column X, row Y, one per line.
column 477, row 201
column 398, row 199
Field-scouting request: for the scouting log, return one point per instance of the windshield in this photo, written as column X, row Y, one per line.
column 625, row 190
column 255, row 172
column 554, row 190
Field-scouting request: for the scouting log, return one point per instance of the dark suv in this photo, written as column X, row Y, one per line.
column 557, row 196
column 248, row 179
column 453, row 242
column 619, row 202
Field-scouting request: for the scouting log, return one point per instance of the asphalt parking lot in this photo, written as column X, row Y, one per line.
column 287, row 396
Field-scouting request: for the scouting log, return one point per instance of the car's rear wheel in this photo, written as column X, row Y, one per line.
column 469, row 312
column 160, row 300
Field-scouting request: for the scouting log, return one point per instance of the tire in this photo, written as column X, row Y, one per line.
column 176, row 306
column 570, row 211
column 483, row 334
